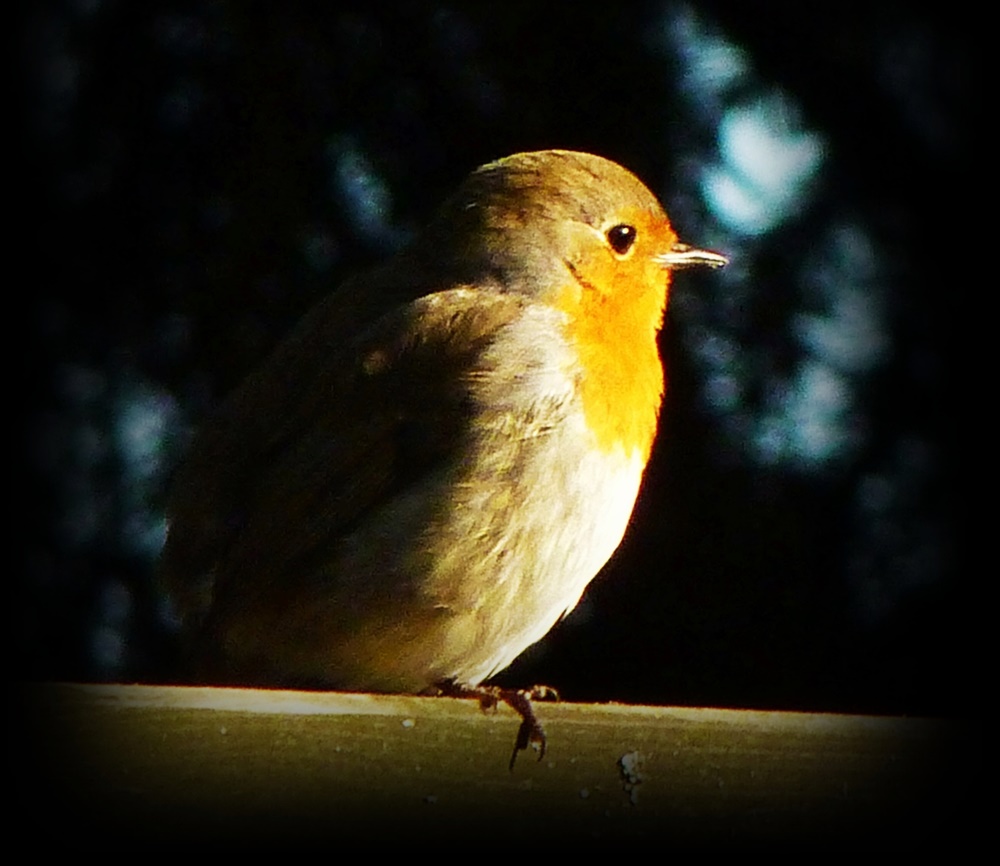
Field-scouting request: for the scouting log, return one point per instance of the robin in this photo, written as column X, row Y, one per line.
column 424, row 476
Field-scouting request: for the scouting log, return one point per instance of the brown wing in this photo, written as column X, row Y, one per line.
column 331, row 426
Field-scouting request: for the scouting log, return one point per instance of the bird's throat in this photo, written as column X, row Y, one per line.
column 621, row 385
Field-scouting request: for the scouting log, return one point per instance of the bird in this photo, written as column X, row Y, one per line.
column 424, row 476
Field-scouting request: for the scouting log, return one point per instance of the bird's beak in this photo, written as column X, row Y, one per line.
column 683, row 256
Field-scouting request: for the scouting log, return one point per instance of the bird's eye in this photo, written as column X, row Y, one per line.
column 621, row 237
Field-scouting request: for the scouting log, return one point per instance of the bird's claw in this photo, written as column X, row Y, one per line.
column 531, row 733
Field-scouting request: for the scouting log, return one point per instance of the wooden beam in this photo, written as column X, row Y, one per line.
column 246, row 767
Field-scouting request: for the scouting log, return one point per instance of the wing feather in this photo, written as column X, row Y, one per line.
column 331, row 426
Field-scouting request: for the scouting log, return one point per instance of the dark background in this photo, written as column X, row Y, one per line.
column 199, row 174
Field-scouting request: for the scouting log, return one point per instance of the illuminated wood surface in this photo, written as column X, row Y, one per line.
column 162, row 765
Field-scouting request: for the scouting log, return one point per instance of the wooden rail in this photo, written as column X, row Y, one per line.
column 116, row 766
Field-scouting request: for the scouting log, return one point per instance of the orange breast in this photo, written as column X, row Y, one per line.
column 614, row 332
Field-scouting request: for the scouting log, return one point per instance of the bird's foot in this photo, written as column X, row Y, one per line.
column 531, row 733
